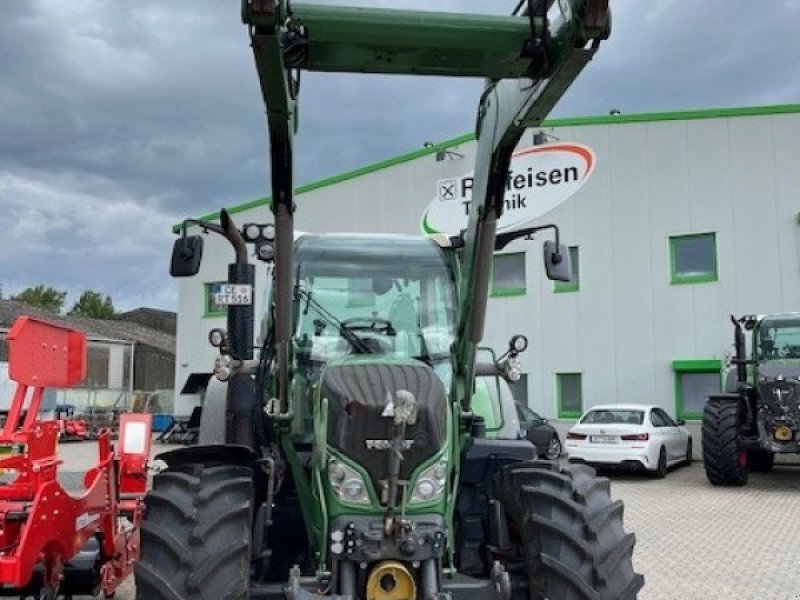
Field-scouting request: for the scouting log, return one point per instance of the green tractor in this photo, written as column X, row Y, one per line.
column 758, row 416
column 347, row 462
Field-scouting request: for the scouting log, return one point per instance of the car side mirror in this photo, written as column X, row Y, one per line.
column 680, row 422
column 187, row 253
column 557, row 261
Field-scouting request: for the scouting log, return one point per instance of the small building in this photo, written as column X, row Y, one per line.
column 123, row 356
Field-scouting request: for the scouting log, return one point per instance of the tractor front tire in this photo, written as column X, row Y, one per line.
column 568, row 531
column 196, row 534
column 724, row 461
column 760, row 461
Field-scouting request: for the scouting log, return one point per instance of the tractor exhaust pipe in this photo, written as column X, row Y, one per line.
column 740, row 353
column 241, row 397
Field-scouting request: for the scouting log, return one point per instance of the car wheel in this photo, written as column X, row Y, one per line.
column 689, row 452
column 661, row 469
column 553, row 450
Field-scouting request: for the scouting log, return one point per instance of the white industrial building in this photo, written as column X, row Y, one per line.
column 675, row 221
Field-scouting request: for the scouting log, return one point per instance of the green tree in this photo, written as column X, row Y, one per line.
column 43, row 297
column 93, row 304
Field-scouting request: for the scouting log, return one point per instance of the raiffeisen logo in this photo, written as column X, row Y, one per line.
column 539, row 179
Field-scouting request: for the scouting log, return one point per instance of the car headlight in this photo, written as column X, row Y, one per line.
column 430, row 484
column 347, row 483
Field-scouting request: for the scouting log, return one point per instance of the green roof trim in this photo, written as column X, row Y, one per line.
column 710, row 365
column 334, row 179
column 620, row 119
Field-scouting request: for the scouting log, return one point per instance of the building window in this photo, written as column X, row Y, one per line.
column 575, row 284
column 695, row 381
column 211, row 308
column 693, row 258
column 569, row 395
column 508, row 274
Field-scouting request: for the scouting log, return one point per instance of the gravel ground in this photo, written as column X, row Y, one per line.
column 694, row 541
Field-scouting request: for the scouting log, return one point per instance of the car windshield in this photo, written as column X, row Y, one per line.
column 614, row 415
column 361, row 294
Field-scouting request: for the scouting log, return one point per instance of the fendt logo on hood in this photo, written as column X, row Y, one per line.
column 539, row 179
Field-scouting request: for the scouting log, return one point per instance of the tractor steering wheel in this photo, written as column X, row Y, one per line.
column 373, row 323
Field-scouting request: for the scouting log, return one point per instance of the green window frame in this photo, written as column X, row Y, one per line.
column 569, row 384
column 508, row 270
column 688, row 368
column 209, row 308
column 560, row 287
column 684, row 250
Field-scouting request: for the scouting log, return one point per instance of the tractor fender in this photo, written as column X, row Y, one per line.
column 212, row 454
column 212, row 419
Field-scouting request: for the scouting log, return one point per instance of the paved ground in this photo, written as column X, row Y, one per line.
column 699, row 541
column 695, row 541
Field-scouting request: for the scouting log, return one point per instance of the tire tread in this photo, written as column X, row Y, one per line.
column 195, row 538
column 720, row 449
column 571, row 533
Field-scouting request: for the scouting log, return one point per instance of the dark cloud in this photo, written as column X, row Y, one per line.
column 119, row 119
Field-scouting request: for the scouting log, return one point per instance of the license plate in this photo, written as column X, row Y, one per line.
column 227, row 294
column 603, row 439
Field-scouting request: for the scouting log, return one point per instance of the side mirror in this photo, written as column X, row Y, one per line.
column 187, row 252
column 680, row 422
column 557, row 261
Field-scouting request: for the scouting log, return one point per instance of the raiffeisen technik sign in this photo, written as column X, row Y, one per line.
column 539, row 179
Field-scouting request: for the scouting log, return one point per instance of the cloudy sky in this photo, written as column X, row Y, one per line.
column 120, row 118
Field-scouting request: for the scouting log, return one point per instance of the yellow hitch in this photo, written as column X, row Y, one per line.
column 391, row 580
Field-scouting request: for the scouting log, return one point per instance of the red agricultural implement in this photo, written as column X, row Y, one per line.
column 54, row 543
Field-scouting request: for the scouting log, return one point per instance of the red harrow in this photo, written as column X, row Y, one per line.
column 53, row 543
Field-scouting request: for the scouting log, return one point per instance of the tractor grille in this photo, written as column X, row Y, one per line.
column 357, row 394
column 782, row 396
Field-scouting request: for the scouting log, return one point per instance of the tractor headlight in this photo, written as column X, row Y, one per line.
column 347, row 483
column 222, row 367
column 513, row 369
column 430, row 484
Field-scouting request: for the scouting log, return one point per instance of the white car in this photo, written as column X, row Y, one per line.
column 634, row 435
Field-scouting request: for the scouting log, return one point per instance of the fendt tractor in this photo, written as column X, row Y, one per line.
column 349, row 463
column 758, row 416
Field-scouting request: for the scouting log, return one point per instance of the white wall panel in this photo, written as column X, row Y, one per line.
column 735, row 176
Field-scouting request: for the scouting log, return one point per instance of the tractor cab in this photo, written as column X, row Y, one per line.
column 372, row 297
column 777, row 340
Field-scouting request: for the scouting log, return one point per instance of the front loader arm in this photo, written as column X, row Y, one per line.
column 529, row 60
column 507, row 108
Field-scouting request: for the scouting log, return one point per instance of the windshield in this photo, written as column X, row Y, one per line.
column 367, row 295
column 778, row 338
column 634, row 417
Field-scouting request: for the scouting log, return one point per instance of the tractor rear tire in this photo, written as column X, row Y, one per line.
column 760, row 461
column 722, row 457
column 196, row 534
column 569, row 533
